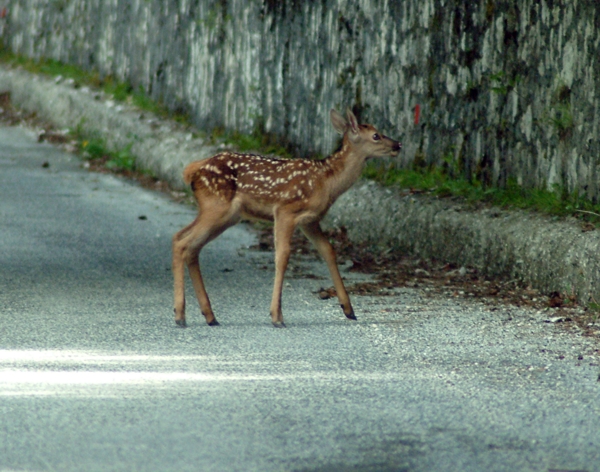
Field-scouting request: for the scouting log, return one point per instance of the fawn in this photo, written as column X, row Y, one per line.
column 290, row 192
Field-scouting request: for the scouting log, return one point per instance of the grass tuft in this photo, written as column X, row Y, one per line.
column 436, row 181
column 258, row 141
column 119, row 91
column 93, row 149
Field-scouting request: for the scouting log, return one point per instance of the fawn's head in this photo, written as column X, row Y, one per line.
column 363, row 138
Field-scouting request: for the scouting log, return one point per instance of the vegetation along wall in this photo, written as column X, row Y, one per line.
column 498, row 90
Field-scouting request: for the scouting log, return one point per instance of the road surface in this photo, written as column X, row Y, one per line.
column 95, row 376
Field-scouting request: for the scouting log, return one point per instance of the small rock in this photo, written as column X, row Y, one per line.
column 326, row 293
column 555, row 300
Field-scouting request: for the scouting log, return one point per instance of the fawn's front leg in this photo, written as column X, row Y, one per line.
column 315, row 234
column 201, row 295
column 283, row 230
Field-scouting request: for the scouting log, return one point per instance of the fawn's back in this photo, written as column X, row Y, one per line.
column 257, row 184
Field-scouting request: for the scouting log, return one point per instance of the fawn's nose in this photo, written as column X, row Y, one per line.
column 397, row 146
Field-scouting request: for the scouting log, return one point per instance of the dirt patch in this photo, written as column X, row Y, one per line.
column 9, row 116
column 393, row 270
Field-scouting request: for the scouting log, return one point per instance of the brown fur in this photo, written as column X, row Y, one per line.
column 291, row 192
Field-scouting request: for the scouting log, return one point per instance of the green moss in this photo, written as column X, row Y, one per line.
column 93, row 147
column 441, row 182
column 257, row 141
column 122, row 160
column 501, row 84
column 118, row 90
column 561, row 118
column 49, row 67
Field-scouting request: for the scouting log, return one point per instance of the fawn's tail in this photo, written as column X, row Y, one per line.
column 190, row 171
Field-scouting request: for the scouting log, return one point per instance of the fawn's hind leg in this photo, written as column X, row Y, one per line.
column 178, row 269
column 314, row 233
column 187, row 244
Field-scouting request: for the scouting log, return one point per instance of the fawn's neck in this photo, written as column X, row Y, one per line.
column 345, row 168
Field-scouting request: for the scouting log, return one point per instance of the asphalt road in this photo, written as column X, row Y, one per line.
column 94, row 375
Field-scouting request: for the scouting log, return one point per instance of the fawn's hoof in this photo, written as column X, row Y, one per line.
column 351, row 315
column 279, row 324
column 214, row 323
column 181, row 323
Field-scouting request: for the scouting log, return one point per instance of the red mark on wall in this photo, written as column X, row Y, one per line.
column 3, row 12
column 417, row 113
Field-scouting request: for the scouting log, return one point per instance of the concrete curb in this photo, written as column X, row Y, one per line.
column 549, row 255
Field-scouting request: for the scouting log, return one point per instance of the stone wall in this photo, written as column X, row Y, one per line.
column 505, row 89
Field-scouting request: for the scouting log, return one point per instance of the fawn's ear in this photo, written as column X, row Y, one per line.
column 338, row 121
column 352, row 121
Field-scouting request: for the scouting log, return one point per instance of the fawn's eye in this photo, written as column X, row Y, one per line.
column 376, row 137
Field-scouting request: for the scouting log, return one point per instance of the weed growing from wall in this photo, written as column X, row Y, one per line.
column 559, row 114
